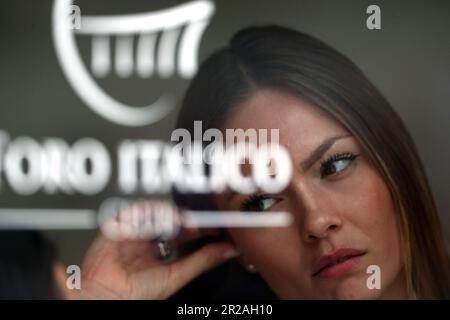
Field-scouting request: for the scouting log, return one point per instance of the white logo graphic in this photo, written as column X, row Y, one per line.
column 74, row 279
column 374, row 20
column 184, row 23
column 374, row 280
column 75, row 17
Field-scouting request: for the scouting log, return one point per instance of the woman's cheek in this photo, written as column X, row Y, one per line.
column 267, row 247
column 379, row 223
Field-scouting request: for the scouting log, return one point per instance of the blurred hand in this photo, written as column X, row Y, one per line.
column 129, row 269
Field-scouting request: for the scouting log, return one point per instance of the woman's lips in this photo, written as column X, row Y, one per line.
column 338, row 263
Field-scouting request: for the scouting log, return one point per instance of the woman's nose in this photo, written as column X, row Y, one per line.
column 318, row 216
column 319, row 226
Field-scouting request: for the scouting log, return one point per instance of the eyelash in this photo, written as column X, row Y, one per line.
column 253, row 200
column 324, row 165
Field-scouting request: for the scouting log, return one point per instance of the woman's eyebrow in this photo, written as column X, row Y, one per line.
column 309, row 161
column 320, row 151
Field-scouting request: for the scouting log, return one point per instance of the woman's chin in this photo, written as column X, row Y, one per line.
column 354, row 289
column 363, row 294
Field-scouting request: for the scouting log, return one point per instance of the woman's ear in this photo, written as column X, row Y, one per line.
column 241, row 258
column 247, row 265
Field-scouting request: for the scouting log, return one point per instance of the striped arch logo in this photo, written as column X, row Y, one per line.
column 183, row 24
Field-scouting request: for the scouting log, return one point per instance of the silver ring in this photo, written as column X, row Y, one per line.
column 165, row 250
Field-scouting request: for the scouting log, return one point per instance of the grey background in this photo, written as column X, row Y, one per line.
column 408, row 60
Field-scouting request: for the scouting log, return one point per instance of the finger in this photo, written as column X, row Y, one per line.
column 101, row 243
column 190, row 267
column 137, row 255
column 101, row 251
column 143, row 220
column 189, row 233
column 214, row 232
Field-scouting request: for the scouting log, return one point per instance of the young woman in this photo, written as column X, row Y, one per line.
column 359, row 195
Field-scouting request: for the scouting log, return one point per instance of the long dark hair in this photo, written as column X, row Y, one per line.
column 279, row 58
column 27, row 261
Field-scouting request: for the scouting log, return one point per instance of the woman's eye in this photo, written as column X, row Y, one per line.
column 258, row 203
column 265, row 204
column 336, row 164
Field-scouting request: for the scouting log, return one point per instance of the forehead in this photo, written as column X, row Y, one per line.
column 300, row 124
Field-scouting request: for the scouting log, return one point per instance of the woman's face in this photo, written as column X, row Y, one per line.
column 341, row 208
